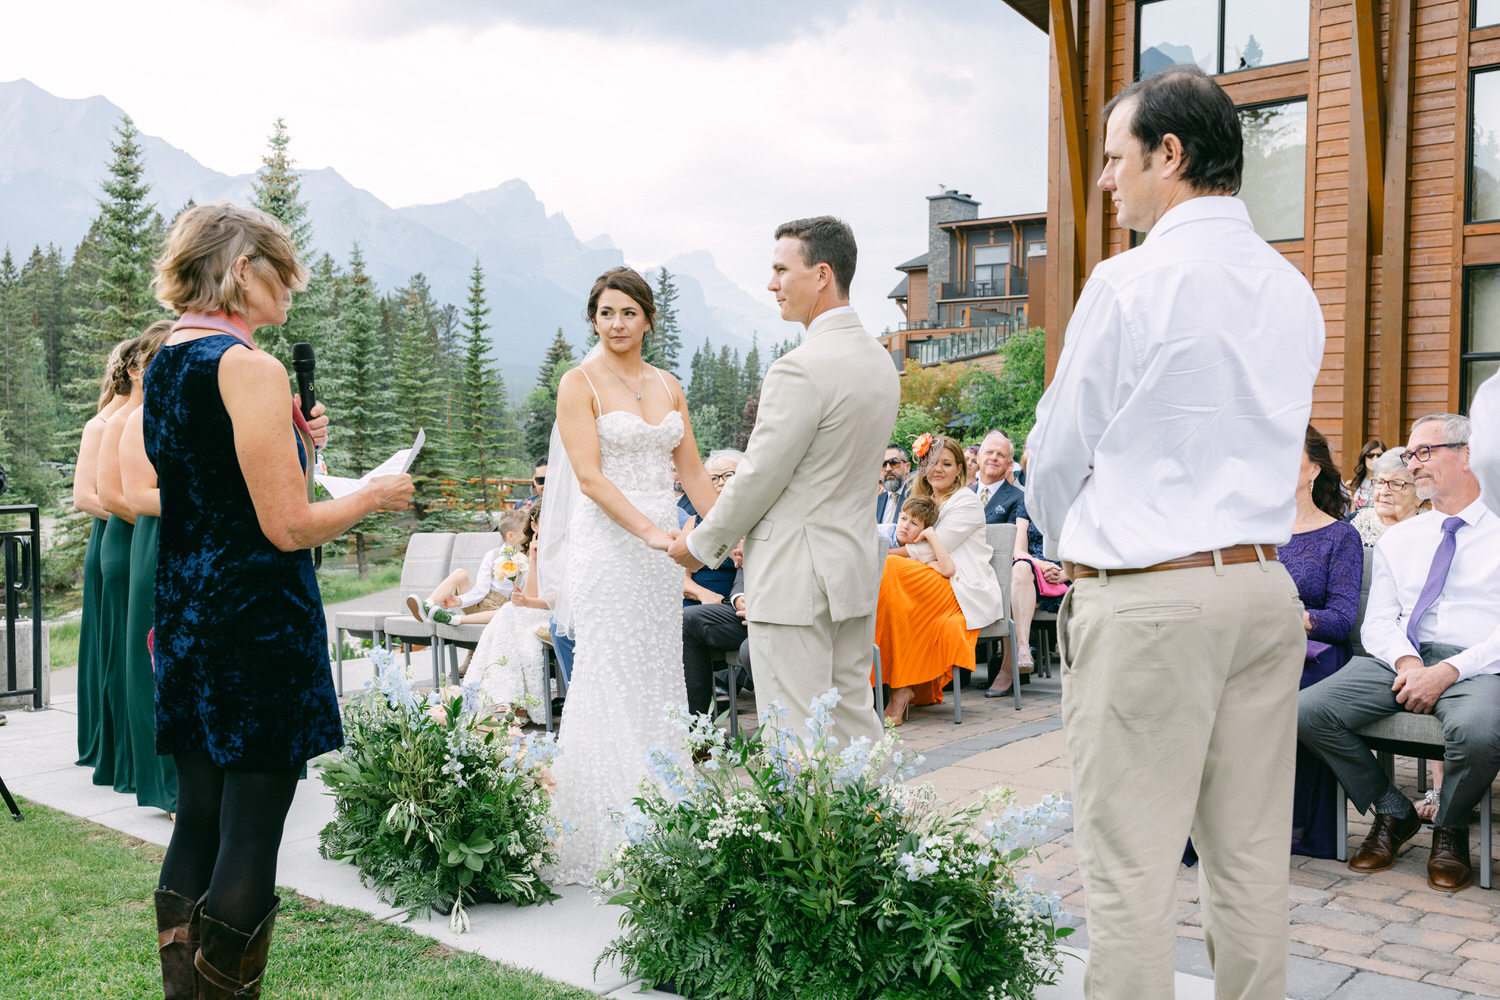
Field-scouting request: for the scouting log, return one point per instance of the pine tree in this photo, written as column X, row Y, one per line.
column 752, row 372
column 540, row 408
column 26, row 405
column 358, row 395
column 483, row 413
column 747, row 426
column 117, row 300
column 277, row 191
column 45, row 284
column 420, row 395
column 666, row 338
column 559, row 353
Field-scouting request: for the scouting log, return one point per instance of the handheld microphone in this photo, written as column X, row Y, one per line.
column 303, row 365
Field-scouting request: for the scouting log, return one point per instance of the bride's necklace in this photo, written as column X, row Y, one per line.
column 634, row 392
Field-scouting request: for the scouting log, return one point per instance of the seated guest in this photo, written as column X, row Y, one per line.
column 1036, row 584
column 710, row 584
column 538, row 484
column 915, row 531
column 926, row 624
column 1326, row 562
column 1395, row 498
column 1432, row 629
column 998, row 494
column 971, row 464
column 894, row 471
column 1362, row 484
column 709, row 628
column 510, row 658
column 458, row 600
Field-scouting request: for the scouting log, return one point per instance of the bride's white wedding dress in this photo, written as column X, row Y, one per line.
column 627, row 666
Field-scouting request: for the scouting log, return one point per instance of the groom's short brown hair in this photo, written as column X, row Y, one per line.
column 825, row 240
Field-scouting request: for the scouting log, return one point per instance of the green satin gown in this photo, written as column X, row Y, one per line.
column 89, row 695
column 155, row 777
column 114, row 765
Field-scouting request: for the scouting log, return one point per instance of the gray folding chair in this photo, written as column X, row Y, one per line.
column 467, row 552
column 1002, row 539
column 424, row 567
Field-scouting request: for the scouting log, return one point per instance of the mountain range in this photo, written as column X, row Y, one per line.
column 54, row 153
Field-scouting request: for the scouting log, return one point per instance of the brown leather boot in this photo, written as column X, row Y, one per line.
column 231, row 963
column 1387, row 834
column 1448, row 868
column 177, row 944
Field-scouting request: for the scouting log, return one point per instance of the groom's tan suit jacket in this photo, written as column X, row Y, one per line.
column 802, row 497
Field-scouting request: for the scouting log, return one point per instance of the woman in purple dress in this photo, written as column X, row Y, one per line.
column 1326, row 560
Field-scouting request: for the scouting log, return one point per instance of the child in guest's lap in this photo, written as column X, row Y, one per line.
column 915, row 537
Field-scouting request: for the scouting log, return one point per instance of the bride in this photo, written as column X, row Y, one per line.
column 608, row 518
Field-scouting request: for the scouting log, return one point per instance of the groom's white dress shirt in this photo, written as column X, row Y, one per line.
column 1466, row 612
column 1144, row 351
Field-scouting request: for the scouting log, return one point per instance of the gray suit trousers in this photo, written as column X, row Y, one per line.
column 1360, row 693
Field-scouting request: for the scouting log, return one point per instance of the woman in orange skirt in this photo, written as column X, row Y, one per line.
column 926, row 624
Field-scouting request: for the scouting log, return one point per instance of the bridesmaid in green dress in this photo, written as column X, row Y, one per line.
column 155, row 777
column 113, row 395
column 114, row 565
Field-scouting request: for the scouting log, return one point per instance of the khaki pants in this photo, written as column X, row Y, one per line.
column 1180, row 710
column 796, row 663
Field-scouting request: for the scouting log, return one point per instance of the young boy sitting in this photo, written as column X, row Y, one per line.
column 915, row 537
column 460, row 601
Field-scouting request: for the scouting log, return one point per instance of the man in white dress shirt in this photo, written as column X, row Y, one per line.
column 1484, row 446
column 1188, row 361
column 1432, row 629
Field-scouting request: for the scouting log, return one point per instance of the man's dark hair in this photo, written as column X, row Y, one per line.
column 826, row 240
column 1184, row 101
column 905, row 455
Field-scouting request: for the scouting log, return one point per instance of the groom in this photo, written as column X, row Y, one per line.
column 801, row 497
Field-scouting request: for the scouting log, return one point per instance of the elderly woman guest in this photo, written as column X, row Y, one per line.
column 711, row 584
column 925, row 624
column 1361, row 486
column 244, row 692
column 113, row 395
column 1395, row 498
column 1326, row 560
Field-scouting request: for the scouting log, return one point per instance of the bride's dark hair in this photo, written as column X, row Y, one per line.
column 623, row 279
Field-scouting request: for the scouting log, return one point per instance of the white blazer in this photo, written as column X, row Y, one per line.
column 960, row 527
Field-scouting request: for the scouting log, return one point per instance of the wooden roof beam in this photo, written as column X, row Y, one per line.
column 1367, row 115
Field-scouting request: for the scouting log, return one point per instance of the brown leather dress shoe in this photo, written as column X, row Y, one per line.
column 1387, row 834
column 1448, row 868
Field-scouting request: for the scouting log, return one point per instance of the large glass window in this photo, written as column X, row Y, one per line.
column 1220, row 36
column 1481, row 354
column 1486, row 13
column 990, row 264
column 1484, row 146
column 1274, row 185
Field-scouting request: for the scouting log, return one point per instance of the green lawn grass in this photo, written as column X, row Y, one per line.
column 76, row 921
column 344, row 584
column 62, row 644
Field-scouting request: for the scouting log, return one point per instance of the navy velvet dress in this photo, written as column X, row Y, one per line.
column 241, row 643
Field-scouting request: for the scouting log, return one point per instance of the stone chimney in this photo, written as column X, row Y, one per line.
column 950, row 206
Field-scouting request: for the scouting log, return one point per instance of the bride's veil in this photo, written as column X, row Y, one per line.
column 558, row 504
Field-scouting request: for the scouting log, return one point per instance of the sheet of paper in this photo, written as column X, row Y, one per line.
column 339, row 486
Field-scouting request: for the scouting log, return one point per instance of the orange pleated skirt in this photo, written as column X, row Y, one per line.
column 919, row 628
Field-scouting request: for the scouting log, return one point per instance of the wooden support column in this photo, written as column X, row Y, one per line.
column 1065, row 264
column 1365, row 169
column 1096, row 239
column 1396, row 226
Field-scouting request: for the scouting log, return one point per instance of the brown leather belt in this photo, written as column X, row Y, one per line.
column 1228, row 556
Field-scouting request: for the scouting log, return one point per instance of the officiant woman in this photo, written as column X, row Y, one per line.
column 244, row 693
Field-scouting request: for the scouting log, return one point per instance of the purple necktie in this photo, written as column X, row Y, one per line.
column 1441, row 560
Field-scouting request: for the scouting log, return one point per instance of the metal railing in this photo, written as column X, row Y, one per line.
column 23, row 572
column 1013, row 285
column 957, row 346
column 916, row 324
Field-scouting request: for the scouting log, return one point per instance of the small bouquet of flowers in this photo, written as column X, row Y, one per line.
column 782, row 869
column 511, row 565
column 440, row 800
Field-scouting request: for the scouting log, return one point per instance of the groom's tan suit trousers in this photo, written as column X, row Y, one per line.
column 804, row 501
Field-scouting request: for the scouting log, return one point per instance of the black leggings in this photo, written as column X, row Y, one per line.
column 228, row 832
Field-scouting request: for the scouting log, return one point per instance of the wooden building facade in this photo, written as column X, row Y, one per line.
column 1372, row 141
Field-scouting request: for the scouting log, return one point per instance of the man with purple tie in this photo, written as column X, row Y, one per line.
column 1432, row 629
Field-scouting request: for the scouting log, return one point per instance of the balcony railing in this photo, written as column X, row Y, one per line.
column 958, row 346
column 1015, row 284
column 917, row 324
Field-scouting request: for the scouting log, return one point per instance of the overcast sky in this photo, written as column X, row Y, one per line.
column 671, row 125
